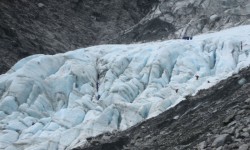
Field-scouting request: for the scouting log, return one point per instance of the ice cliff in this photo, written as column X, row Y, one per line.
column 55, row 102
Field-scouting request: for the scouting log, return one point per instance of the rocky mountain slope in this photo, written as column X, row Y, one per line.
column 216, row 118
column 177, row 18
column 49, row 27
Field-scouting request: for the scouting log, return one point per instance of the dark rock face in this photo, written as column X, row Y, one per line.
column 151, row 31
column 187, row 18
column 49, row 27
column 216, row 118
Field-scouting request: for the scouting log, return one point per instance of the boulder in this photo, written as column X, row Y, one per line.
column 221, row 140
column 243, row 147
column 229, row 119
column 40, row 5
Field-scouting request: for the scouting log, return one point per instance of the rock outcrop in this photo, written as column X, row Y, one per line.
column 177, row 18
column 49, row 27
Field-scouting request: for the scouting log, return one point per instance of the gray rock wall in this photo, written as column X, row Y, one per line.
column 180, row 18
column 49, row 27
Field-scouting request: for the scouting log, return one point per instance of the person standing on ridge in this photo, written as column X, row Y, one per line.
column 197, row 77
column 241, row 45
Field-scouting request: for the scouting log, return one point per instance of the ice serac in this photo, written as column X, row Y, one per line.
column 56, row 102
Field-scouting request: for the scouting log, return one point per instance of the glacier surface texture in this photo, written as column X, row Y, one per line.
column 55, row 102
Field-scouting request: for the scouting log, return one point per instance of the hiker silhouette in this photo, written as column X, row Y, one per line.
column 197, row 77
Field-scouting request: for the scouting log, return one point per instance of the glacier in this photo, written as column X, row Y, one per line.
column 57, row 101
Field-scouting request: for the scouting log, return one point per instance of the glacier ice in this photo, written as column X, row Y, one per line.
column 56, row 102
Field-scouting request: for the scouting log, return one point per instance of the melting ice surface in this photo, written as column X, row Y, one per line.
column 55, row 102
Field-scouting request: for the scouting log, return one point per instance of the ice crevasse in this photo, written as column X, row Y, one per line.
column 56, row 102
